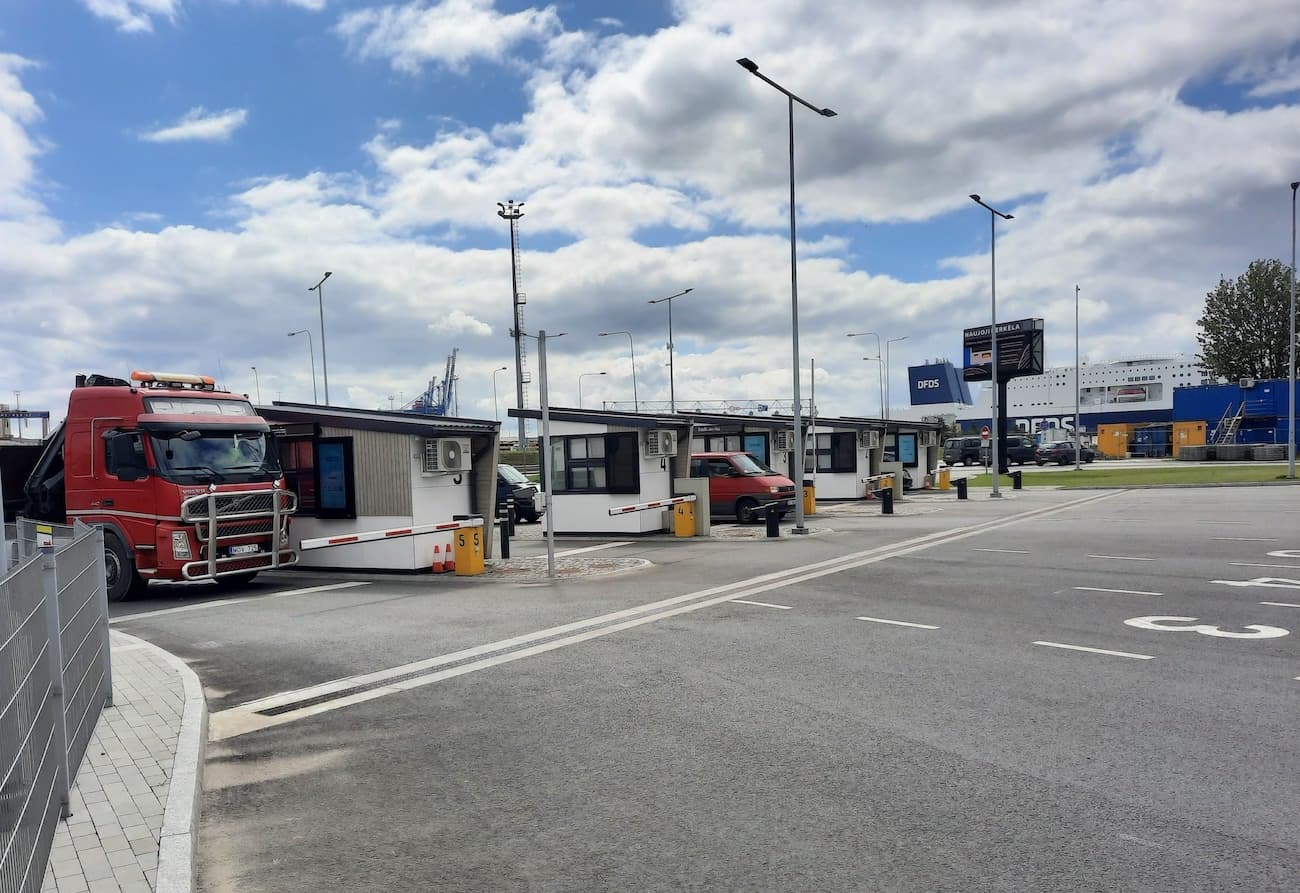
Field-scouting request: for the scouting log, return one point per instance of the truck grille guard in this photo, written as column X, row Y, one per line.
column 221, row 518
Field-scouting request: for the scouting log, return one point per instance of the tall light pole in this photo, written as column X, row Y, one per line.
column 1290, row 412
column 511, row 211
column 257, row 383
column 1078, row 435
column 996, row 458
column 879, row 354
column 636, row 407
column 887, row 376
column 672, row 391
column 18, row 405
column 580, row 378
column 496, row 410
column 324, row 358
column 311, row 352
column 880, row 376
column 752, row 67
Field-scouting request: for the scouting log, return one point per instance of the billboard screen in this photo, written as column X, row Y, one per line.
column 1020, row 350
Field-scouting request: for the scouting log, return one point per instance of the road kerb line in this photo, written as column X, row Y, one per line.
column 897, row 622
column 742, row 601
column 599, row 548
column 1117, row 591
column 1097, row 650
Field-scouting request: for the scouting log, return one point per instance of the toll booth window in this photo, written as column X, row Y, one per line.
column 907, row 449
column 298, row 459
column 602, row 463
column 835, row 453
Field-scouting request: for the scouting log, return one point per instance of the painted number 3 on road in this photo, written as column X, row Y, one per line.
column 1177, row 624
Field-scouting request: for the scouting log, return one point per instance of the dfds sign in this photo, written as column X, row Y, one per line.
column 936, row 383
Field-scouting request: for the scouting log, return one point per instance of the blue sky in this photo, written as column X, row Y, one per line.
column 175, row 173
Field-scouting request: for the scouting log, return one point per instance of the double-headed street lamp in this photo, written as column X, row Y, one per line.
column 496, row 410
column 879, row 354
column 257, row 383
column 888, row 342
column 752, row 67
column 635, row 403
column 880, row 377
column 324, row 359
column 672, row 391
column 994, row 404
column 580, row 378
column 312, row 354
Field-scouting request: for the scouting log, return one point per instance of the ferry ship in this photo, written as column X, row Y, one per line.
column 1134, row 390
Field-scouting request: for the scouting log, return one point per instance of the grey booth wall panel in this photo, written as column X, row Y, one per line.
column 382, row 466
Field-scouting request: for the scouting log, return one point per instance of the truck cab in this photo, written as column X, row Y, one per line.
column 183, row 478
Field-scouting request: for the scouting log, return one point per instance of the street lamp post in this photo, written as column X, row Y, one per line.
column 18, row 405
column 1078, row 434
column 672, row 391
column 752, row 67
column 257, row 383
column 885, row 406
column 994, row 403
column 324, row 358
column 311, row 353
column 1290, row 412
column 496, row 410
column 580, row 378
column 636, row 406
column 510, row 211
column 879, row 354
column 880, row 377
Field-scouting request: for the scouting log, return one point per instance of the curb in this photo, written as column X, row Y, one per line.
column 179, row 837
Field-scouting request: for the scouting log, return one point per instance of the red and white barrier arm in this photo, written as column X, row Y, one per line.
column 370, row 536
column 645, row 506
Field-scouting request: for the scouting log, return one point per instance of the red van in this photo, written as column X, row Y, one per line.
column 740, row 485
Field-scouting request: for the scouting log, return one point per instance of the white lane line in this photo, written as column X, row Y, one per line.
column 1203, row 521
column 1247, row 539
column 1120, row 591
column 1280, row 604
column 1294, row 567
column 1008, row 551
column 590, row 549
column 247, row 717
column 1097, row 650
column 898, row 623
column 220, row 602
column 1121, row 558
column 741, row 601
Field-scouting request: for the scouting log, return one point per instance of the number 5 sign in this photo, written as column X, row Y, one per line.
column 1176, row 624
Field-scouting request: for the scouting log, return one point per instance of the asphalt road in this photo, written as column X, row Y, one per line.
column 990, row 695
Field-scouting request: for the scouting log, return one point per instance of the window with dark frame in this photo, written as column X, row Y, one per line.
column 596, row 463
column 836, row 453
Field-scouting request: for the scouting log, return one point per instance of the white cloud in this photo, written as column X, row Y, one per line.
column 450, row 33
column 134, row 15
column 200, row 124
column 458, row 322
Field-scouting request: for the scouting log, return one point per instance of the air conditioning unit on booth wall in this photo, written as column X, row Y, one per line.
column 928, row 438
column 661, row 443
column 783, row 440
column 869, row 440
column 444, row 454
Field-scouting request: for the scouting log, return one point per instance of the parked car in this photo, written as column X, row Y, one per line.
column 741, row 485
column 961, row 451
column 1020, row 449
column 1062, row 453
column 513, row 482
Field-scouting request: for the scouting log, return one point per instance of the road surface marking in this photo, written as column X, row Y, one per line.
column 1202, row 521
column 741, row 601
column 1121, row 558
column 1247, row 539
column 1294, row 567
column 219, row 602
column 271, row 710
column 1264, row 582
column 1285, row 553
column 1008, row 551
column 898, row 623
column 1280, row 604
column 1097, row 650
column 1120, row 591
column 590, row 549
column 1162, row 624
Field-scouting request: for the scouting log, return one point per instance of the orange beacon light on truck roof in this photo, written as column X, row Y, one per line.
column 163, row 379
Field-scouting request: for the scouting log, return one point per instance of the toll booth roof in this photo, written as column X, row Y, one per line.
column 391, row 421
column 603, row 417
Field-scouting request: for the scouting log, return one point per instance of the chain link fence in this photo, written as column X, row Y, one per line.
column 55, row 680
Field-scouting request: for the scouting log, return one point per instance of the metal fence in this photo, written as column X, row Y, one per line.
column 54, row 682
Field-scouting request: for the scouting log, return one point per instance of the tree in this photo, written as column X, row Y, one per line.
column 1244, row 328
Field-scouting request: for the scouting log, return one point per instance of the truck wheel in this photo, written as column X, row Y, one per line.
column 119, row 570
column 745, row 513
column 234, row 581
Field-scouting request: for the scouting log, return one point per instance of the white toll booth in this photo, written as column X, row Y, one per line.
column 357, row 471
column 602, row 460
column 839, row 459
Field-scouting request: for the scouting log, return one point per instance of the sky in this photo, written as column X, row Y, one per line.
column 175, row 175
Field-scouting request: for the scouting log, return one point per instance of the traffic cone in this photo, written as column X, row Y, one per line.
column 438, row 567
column 450, row 564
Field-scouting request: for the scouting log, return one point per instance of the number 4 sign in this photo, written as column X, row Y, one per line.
column 1176, row 624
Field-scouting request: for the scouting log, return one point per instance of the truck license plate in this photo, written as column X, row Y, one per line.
column 245, row 549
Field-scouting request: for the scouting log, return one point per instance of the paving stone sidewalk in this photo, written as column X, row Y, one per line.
column 110, row 843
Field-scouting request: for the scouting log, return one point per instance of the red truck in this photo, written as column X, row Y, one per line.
column 183, row 478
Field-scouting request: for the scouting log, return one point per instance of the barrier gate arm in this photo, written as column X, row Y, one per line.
column 369, row 536
column 645, row 506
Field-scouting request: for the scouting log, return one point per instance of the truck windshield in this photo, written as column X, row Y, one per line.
column 215, row 456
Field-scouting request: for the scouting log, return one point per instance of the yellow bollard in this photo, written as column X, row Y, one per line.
column 468, row 549
column 809, row 499
column 684, row 519
column 945, row 478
